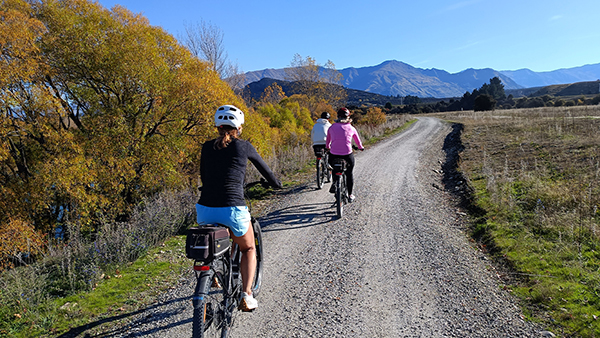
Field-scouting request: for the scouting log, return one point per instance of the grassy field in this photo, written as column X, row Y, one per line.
column 534, row 177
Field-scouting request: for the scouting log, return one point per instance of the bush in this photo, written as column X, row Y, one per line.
column 374, row 117
column 484, row 102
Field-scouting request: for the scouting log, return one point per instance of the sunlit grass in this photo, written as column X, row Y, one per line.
column 535, row 173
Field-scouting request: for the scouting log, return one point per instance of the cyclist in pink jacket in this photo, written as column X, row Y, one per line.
column 339, row 142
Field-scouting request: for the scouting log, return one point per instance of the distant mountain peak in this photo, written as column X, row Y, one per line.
column 397, row 78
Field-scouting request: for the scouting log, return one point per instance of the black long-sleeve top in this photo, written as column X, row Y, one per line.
column 222, row 173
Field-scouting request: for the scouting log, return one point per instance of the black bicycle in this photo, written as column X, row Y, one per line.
column 341, row 190
column 323, row 171
column 218, row 277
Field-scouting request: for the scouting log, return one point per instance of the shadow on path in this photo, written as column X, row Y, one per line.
column 162, row 309
column 166, row 312
column 299, row 216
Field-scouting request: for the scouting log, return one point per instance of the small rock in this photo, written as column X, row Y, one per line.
column 547, row 334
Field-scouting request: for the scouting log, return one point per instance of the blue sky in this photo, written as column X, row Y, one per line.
column 452, row 35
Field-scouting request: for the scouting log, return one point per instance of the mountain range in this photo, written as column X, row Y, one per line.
column 395, row 78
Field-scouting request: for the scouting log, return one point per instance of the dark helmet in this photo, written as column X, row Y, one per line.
column 343, row 113
column 325, row 115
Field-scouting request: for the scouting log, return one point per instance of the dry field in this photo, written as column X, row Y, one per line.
column 534, row 173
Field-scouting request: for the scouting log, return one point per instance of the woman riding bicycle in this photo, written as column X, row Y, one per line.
column 222, row 171
column 339, row 143
column 318, row 133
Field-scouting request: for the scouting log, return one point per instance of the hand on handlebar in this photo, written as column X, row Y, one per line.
column 268, row 185
column 264, row 183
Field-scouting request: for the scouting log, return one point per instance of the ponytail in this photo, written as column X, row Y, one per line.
column 226, row 135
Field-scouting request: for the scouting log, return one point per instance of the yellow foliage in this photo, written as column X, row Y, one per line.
column 99, row 109
column 323, row 107
column 257, row 131
column 273, row 94
column 374, row 117
column 18, row 34
column 18, row 242
column 319, row 84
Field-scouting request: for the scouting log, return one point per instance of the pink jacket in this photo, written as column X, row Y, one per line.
column 339, row 139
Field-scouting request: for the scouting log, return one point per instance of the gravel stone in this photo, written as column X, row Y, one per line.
column 398, row 264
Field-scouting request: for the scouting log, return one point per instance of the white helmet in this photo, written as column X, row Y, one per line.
column 228, row 115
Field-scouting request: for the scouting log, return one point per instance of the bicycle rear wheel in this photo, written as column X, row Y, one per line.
column 209, row 300
column 259, row 257
column 339, row 198
column 319, row 173
column 328, row 172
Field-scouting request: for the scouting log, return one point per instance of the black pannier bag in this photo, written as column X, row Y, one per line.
column 339, row 165
column 206, row 242
column 319, row 151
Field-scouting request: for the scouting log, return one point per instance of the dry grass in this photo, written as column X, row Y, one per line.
column 28, row 292
column 535, row 172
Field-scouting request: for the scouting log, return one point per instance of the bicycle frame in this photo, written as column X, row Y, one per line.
column 341, row 195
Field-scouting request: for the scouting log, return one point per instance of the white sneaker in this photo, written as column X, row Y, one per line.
column 248, row 303
column 351, row 198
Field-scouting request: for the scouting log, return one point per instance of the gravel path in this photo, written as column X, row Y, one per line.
column 398, row 264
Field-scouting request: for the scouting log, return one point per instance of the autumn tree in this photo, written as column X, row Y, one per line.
column 99, row 109
column 321, row 84
column 272, row 94
column 374, row 117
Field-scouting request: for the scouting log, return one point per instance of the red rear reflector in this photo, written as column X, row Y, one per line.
column 339, row 174
column 201, row 267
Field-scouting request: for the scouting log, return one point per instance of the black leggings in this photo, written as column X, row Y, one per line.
column 349, row 166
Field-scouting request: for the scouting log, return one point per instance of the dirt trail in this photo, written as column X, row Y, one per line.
column 398, row 264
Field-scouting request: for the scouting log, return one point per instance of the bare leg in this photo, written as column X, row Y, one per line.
column 248, row 264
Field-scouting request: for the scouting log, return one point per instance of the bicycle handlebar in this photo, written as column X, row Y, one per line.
column 262, row 182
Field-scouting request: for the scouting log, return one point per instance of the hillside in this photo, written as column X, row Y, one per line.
column 395, row 78
column 572, row 89
column 398, row 78
column 528, row 78
column 254, row 90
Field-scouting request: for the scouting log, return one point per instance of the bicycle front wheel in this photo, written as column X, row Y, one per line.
column 259, row 257
column 209, row 300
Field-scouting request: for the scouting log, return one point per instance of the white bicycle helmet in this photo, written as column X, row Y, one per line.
column 229, row 115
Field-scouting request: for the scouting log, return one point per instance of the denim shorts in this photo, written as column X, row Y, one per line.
column 237, row 219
